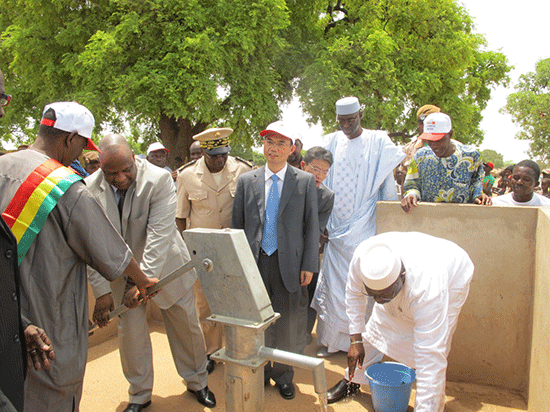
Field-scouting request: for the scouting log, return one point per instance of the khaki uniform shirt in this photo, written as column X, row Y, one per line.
column 201, row 201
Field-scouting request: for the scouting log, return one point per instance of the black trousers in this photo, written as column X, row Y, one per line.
column 285, row 333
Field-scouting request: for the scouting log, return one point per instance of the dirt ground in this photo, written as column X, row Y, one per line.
column 105, row 388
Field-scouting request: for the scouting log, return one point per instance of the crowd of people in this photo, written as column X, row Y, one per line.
column 309, row 218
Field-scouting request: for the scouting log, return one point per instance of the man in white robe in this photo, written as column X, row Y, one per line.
column 419, row 283
column 361, row 175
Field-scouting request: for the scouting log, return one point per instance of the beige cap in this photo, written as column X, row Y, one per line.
column 215, row 141
column 425, row 111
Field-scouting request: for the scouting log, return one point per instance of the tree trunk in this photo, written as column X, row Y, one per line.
column 176, row 135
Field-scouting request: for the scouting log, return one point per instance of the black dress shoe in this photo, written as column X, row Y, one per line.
column 205, row 397
column 210, row 365
column 287, row 390
column 342, row 390
column 137, row 407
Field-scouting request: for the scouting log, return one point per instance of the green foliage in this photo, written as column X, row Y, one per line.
column 396, row 56
column 180, row 65
column 168, row 69
column 493, row 156
column 248, row 153
column 530, row 109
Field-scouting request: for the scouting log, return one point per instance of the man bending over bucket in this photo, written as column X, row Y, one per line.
column 419, row 283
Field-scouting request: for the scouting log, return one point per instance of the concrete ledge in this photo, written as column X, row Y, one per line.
column 493, row 341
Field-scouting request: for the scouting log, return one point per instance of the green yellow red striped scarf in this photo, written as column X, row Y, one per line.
column 34, row 200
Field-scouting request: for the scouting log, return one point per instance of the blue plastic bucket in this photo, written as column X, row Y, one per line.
column 390, row 386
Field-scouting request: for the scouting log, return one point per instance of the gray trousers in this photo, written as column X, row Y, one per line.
column 285, row 333
column 186, row 343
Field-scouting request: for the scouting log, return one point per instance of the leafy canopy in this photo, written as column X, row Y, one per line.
column 530, row 109
column 396, row 56
column 169, row 69
column 489, row 155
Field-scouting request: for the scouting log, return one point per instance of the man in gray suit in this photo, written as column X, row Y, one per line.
column 276, row 206
column 140, row 201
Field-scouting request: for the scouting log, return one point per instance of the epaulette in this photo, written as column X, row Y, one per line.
column 246, row 162
column 192, row 162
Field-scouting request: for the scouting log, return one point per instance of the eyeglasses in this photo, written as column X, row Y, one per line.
column 318, row 171
column 5, row 99
column 279, row 144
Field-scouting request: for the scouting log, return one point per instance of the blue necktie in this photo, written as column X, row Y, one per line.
column 269, row 239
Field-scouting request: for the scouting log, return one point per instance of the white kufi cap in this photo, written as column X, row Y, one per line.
column 380, row 266
column 347, row 105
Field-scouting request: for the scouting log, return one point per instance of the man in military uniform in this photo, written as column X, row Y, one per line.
column 206, row 188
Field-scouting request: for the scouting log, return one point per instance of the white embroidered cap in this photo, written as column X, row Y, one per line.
column 347, row 105
column 380, row 266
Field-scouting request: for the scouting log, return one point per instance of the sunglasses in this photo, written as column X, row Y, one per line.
column 4, row 99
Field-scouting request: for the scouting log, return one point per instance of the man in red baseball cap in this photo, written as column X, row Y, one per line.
column 276, row 205
column 488, row 180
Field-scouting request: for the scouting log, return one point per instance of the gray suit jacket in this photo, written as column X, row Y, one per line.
column 297, row 223
column 149, row 227
column 325, row 203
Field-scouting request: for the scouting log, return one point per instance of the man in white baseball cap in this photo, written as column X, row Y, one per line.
column 446, row 171
column 70, row 117
column 419, row 283
column 157, row 155
column 55, row 246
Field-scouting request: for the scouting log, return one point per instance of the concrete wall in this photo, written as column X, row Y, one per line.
column 492, row 344
column 539, row 377
column 502, row 334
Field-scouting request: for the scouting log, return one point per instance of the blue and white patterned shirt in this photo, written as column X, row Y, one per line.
column 454, row 179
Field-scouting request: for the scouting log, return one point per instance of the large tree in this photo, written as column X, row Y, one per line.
column 489, row 155
column 174, row 67
column 399, row 55
column 530, row 109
